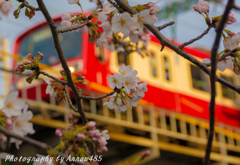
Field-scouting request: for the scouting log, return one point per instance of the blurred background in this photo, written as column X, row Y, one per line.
column 178, row 139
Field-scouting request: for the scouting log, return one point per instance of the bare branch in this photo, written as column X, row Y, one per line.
column 54, row 78
column 69, row 100
column 62, row 58
column 197, row 38
column 166, row 25
column 74, row 28
column 25, row 3
column 100, row 4
column 219, row 29
column 100, row 97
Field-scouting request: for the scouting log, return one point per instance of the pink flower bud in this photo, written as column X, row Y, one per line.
column 80, row 136
column 150, row 4
column 153, row 11
column 70, row 117
column 75, row 121
column 8, row 122
column 59, row 132
column 91, row 124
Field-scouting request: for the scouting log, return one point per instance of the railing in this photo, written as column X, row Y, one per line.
column 154, row 127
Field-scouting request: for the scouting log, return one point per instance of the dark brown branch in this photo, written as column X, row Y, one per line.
column 236, row 7
column 35, row 143
column 25, row 3
column 197, row 38
column 54, row 78
column 222, row 57
column 100, row 97
column 116, row 5
column 164, row 41
column 100, row 4
column 166, row 25
column 69, row 100
column 206, row 160
column 62, row 58
column 74, row 28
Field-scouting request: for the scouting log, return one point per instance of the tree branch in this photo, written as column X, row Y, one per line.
column 166, row 25
column 62, row 57
column 197, row 38
column 69, row 100
column 219, row 29
column 100, row 97
column 74, row 28
column 164, row 41
column 26, row 4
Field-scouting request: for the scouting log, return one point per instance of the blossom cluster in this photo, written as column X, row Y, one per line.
column 5, row 7
column 16, row 118
column 76, row 138
column 28, row 12
column 131, row 90
column 112, row 21
column 129, row 26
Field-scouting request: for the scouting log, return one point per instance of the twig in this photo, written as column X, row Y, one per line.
column 116, row 5
column 35, row 143
column 62, row 58
column 69, row 100
column 100, row 4
column 54, row 78
column 12, row 71
column 100, row 97
column 219, row 29
column 74, row 28
column 164, row 41
column 222, row 57
column 166, row 25
column 25, row 3
column 197, row 38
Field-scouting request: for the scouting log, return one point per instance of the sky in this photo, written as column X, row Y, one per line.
column 189, row 24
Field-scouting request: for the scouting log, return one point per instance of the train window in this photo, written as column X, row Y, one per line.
column 123, row 58
column 199, row 79
column 167, row 68
column 227, row 92
column 153, row 64
column 41, row 41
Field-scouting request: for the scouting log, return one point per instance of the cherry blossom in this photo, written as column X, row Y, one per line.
column 13, row 105
column 231, row 43
column 115, row 80
column 141, row 18
column 21, row 124
column 125, row 70
column 104, row 134
column 202, row 6
column 226, row 63
column 49, row 89
column 122, row 23
column 6, row 7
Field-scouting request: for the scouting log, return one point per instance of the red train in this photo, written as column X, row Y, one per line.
column 173, row 83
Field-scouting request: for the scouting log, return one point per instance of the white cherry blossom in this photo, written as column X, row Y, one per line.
column 13, row 105
column 129, row 82
column 6, row 7
column 49, row 89
column 206, row 61
column 106, row 26
column 105, row 135
column 122, row 23
column 202, row 6
column 226, row 63
column 231, row 43
column 125, row 70
column 141, row 18
column 115, row 80
column 22, row 125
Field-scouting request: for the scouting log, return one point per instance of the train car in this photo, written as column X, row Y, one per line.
column 173, row 82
